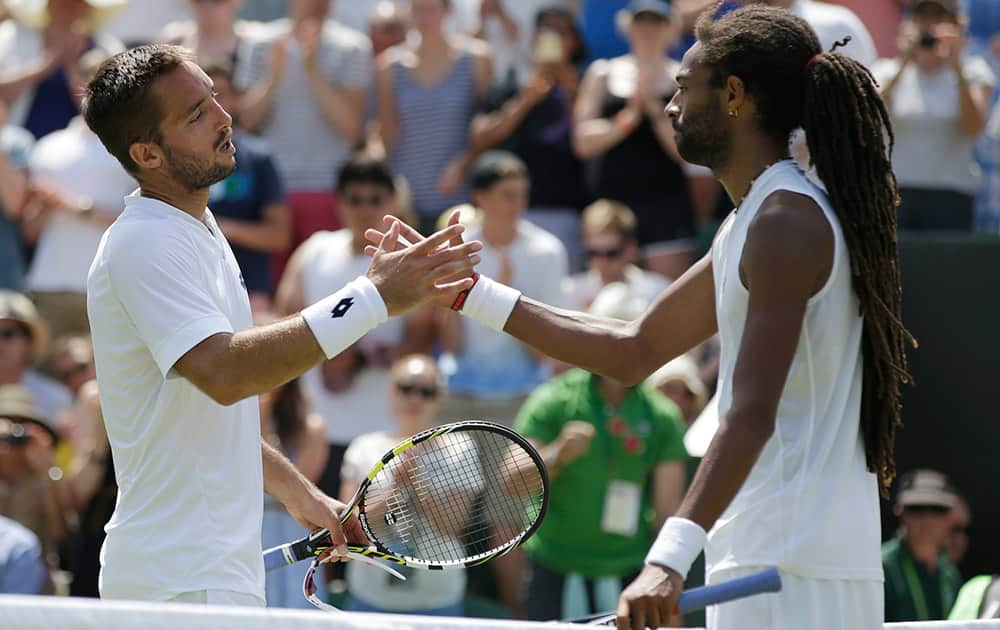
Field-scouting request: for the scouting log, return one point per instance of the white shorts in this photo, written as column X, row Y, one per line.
column 218, row 598
column 802, row 603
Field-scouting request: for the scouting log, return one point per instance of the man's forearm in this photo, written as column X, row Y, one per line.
column 282, row 480
column 727, row 464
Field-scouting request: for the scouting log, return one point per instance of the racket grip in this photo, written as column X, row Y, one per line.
column 301, row 549
column 767, row 581
column 274, row 558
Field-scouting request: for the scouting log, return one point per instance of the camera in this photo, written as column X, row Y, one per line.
column 15, row 435
column 927, row 40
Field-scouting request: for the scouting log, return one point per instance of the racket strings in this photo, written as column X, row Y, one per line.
column 455, row 497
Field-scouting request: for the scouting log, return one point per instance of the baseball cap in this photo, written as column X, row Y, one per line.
column 16, row 306
column 494, row 166
column 951, row 6
column 925, row 488
column 661, row 8
column 16, row 403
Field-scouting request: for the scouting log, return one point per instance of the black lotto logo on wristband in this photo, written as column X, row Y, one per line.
column 342, row 307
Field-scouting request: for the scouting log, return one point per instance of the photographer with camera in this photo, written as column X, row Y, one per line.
column 938, row 101
column 28, row 495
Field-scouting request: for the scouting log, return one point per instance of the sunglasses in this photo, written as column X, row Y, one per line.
column 12, row 332
column 614, row 252
column 408, row 389
column 362, row 200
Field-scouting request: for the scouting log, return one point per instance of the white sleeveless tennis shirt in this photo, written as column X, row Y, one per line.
column 809, row 505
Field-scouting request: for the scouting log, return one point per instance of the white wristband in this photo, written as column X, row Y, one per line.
column 490, row 303
column 677, row 545
column 338, row 320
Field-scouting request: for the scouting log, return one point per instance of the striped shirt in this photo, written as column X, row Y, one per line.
column 433, row 131
column 308, row 150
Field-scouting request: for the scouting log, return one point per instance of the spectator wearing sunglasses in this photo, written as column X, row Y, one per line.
column 416, row 393
column 611, row 251
column 348, row 391
column 921, row 583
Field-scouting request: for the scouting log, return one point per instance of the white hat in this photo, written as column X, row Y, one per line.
column 618, row 301
column 35, row 13
column 685, row 369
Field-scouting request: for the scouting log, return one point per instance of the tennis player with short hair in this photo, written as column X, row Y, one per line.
column 802, row 285
column 178, row 361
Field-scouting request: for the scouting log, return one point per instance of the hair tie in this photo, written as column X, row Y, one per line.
column 812, row 60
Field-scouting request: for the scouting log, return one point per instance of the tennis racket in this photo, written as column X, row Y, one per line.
column 453, row 496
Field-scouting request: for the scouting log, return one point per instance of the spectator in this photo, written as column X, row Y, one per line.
column 832, row 24
column 680, row 381
column 461, row 21
column 938, row 103
column 22, row 570
column 958, row 534
column 304, row 84
column 77, row 193
column 530, row 114
column 388, row 23
column 615, row 458
column 140, row 22
column 508, row 26
column 611, row 250
column 28, row 492
column 979, row 598
column 416, row 394
column 881, row 18
column 249, row 205
column 348, row 391
column 213, row 35
column 23, row 339
column 920, row 581
column 621, row 125
column 16, row 145
column 288, row 425
column 427, row 94
column 39, row 54
column 493, row 373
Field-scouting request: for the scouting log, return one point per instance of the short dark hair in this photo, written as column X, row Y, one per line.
column 366, row 170
column 118, row 104
column 496, row 166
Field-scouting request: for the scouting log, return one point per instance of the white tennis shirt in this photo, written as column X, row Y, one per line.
column 809, row 505
column 189, row 470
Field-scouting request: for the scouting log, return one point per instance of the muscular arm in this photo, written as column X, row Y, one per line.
column 787, row 258
column 232, row 366
column 682, row 317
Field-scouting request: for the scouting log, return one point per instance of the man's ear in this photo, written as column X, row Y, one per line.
column 147, row 155
column 735, row 94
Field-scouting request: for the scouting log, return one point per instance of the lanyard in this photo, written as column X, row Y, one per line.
column 919, row 601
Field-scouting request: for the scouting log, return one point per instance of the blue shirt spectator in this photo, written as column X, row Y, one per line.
column 245, row 196
column 22, row 570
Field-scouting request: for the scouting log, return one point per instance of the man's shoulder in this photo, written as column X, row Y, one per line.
column 891, row 549
column 15, row 536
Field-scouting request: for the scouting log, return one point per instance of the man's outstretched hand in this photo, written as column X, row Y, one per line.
column 416, row 269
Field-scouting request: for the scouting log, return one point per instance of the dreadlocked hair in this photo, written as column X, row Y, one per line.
column 835, row 99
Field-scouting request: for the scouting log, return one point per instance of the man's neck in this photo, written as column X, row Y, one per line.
column 746, row 165
column 11, row 376
column 499, row 232
column 190, row 202
column 926, row 553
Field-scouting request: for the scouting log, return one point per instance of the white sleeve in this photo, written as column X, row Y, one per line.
column 554, row 270
column 164, row 292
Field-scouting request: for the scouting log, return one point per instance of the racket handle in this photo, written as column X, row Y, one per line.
column 767, row 581
column 301, row 549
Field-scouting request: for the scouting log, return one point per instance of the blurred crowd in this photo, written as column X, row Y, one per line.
column 543, row 122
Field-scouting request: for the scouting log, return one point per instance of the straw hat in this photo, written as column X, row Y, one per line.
column 16, row 403
column 35, row 13
column 17, row 307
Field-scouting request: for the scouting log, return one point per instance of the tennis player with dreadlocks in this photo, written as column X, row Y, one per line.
column 803, row 288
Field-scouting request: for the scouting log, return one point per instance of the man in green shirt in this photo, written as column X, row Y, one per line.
column 920, row 582
column 615, row 457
